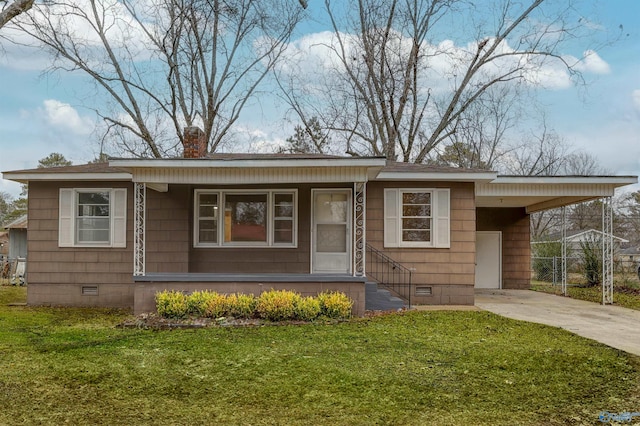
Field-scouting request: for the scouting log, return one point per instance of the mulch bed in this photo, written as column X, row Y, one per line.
column 155, row 322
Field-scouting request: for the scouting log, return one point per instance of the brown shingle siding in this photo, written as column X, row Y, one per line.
column 443, row 269
column 56, row 274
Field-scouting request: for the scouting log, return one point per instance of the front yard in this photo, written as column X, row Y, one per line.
column 457, row 368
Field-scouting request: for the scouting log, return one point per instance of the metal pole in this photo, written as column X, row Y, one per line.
column 607, row 251
column 139, row 246
column 564, row 252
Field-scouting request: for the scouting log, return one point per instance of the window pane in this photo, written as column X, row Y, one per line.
column 331, row 239
column 208, row 232
column 416, row 198
column 414, row 235
column 93, row 204
column 283, row 231
column 283, row 206
column 416, row 223
column 416, row 210
column 208, row 212
column 331, row 208
column 93, row 198
column 245, row 217
column 90, row 230
column 208, row 199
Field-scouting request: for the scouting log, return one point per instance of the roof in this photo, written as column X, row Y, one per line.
column 630, row 250
column 18, row 223
column 395, row 170
column 534, row 193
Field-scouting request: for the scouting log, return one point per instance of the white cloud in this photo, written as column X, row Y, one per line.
column 312, row 58
column 64, row 117
column 591, row 62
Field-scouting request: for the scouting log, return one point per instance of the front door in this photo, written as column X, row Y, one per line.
column 331, row 231
column 488, row 259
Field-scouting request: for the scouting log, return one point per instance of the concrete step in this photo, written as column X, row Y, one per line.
column 379, row 299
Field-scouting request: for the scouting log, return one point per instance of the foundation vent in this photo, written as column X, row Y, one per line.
column 423, row 291
column 89, row 290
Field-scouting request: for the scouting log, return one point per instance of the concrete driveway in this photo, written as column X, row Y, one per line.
column 612, row 325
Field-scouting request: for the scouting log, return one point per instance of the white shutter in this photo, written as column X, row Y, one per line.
column 66, row 217
column 441, row 219
column 391, row 218
column 119, row 221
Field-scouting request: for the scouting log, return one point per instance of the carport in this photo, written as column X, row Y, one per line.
column 503, row 255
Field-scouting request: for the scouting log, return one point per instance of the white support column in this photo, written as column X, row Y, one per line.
column 140, row 193
column 359, row 228
column 607, row 251
column 563, row 259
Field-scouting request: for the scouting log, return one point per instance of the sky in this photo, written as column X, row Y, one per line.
column 42, row 113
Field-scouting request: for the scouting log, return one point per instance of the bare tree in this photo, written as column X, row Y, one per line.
column 166, row 64
column 396, row 88
column 9, row 10
column 481, row 134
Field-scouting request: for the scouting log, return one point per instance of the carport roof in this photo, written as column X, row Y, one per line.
column 537, row 193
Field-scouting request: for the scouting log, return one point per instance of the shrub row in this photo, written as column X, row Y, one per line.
column 273, row 305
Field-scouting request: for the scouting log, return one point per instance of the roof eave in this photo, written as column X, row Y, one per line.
column 75, row 176
column 616, row 181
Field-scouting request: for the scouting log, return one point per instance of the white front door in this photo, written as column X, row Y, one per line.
column 331, row 231
column 488, row 259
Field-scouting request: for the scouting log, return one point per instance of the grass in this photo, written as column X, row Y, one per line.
column 456, row 368
column 629, row 300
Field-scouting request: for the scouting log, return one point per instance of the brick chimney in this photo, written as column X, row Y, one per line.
column 194, row 142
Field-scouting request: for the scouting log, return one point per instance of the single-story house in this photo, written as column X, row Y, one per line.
column 113, row 234
column 630, row 255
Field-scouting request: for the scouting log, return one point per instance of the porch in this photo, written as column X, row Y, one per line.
column 148, row 285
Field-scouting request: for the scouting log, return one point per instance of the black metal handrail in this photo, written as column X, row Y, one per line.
column 389, row 273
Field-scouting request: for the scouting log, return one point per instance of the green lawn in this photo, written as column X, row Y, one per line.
column 457, row 368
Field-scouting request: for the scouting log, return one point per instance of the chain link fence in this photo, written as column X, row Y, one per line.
column 548, row 270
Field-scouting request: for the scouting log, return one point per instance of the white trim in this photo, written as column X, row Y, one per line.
column 436, row 176
column 350, row 226
column 222, row 193
column 603, row 180
column 79, row 176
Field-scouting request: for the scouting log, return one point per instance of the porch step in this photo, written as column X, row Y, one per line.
column 379, row 299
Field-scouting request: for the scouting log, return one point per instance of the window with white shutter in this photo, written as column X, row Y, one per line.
column 92, row 217
column 416, row 217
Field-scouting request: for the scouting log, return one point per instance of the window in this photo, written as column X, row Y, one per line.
column 245, row 218
column 416, row 217
column 92, row 217
column 250, row 218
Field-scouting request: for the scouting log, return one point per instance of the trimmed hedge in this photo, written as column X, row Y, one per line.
column 273, row 305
